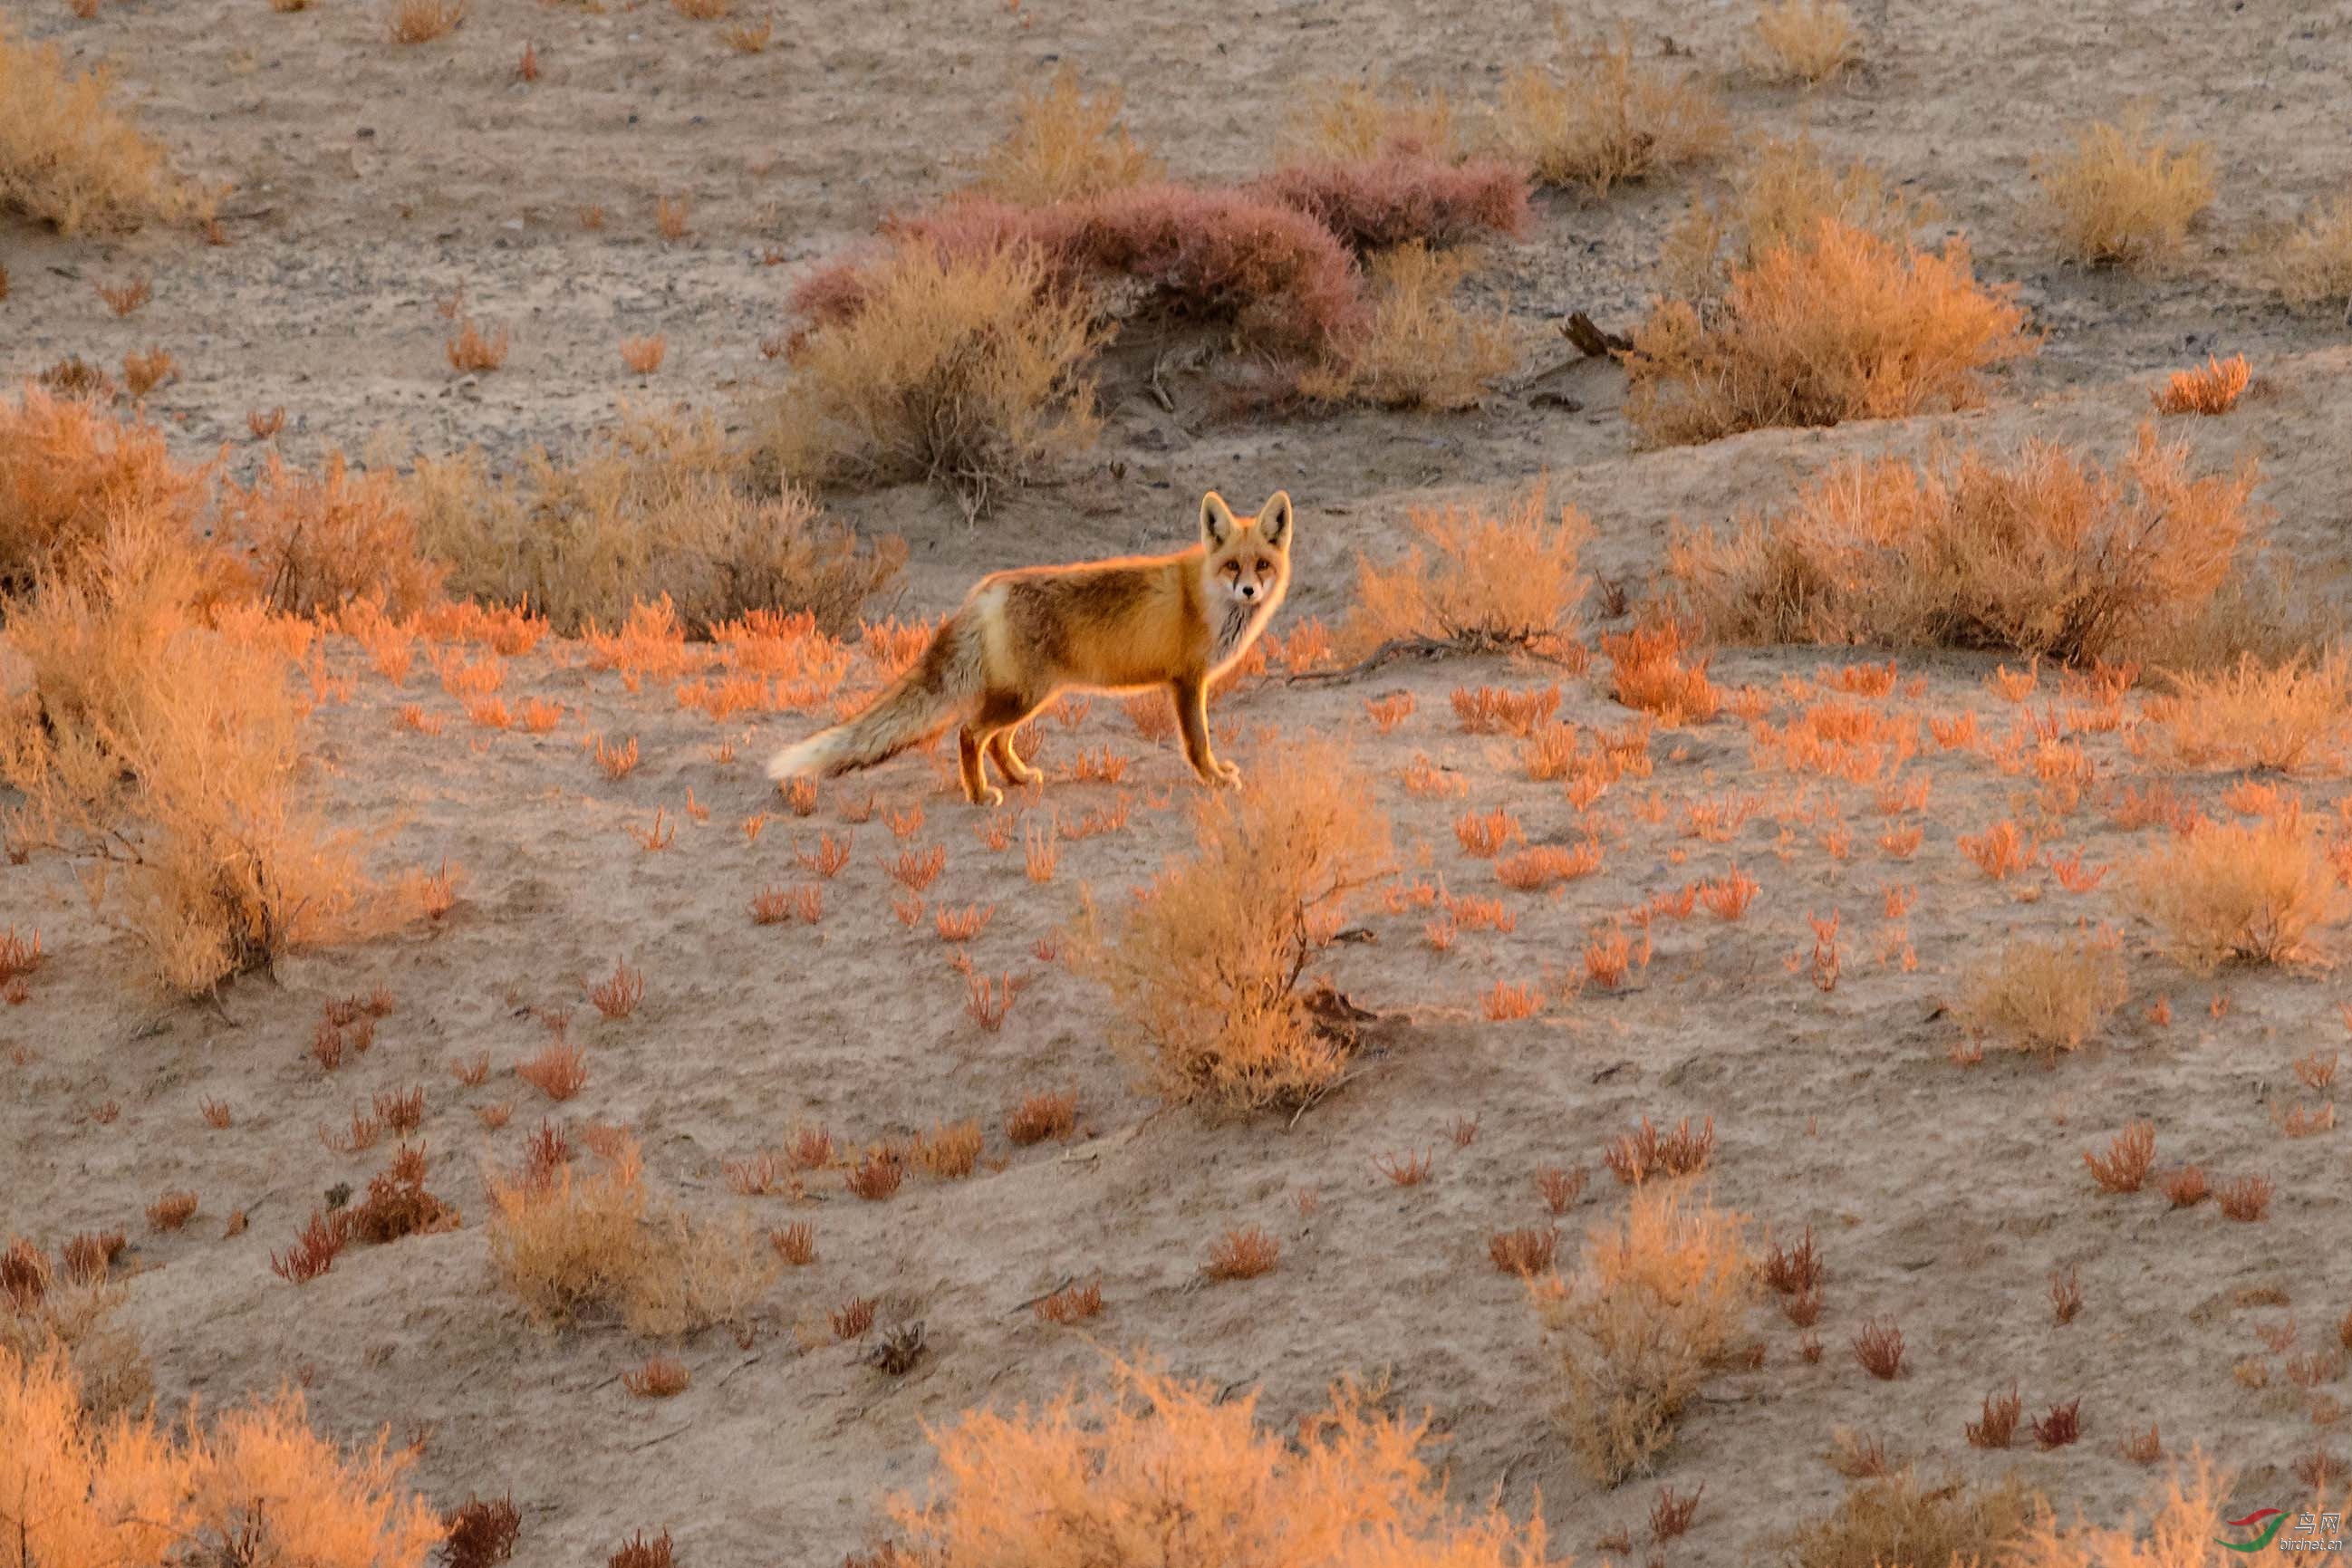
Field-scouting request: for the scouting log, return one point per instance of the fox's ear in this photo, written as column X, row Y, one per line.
column 1274, row 521
column 1216, row 520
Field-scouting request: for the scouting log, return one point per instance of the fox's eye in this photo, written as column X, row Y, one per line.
column 1233, row 570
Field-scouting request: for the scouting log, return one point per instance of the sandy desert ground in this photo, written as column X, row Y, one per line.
column 368, row 182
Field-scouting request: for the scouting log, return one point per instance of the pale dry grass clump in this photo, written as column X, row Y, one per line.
column 67, row 468
column 562, row 1243
column 1205, row 966
column 1656, row 1308
column 2048, row 553
column 1370, row 117
column 1896, row 1521
column 2120, row 197
column 2252, row 715
column 1839, row 324
column 1065, row 144
column 1780, row 196
column 1161, row 1471
column 69, row 159
column 1499, row 582
column 655, row 508
column 167, row 760
column 1804, row 41
column 317, row 542
column 1603, row 119
column 2253, row 892
column 253, row 1486
column 2044, row 996
column 965, row 372
column 1419, row 347
column 2311, row 264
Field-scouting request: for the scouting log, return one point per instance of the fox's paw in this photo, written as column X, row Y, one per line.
column 989, row 796
column 1225, row 775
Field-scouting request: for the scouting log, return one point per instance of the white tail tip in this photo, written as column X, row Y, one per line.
column 792, row 761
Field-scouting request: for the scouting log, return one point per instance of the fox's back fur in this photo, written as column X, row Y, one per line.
column 1175, row 620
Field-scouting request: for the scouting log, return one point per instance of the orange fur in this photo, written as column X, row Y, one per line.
column 1022, row 637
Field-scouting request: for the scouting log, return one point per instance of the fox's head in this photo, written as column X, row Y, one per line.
column 1248, row 558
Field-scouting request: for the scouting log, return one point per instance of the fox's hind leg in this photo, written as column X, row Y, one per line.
column 972, row 766
column 1000, row 713
column 1008, row 761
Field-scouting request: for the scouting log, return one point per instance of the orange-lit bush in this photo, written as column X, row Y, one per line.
column 2250, row 891
column 318, row 542
column 1835, row 325
column 167, row 757
column 252, row 1486
column 2213, row 387
column 2046, row 553
column 1158, row 1470
column 1502, row 581
column 68, row 467
column 1205, row 966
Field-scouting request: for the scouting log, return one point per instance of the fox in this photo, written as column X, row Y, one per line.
column 1024, row 636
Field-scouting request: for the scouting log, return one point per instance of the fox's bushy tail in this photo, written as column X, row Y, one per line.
column 911, row 710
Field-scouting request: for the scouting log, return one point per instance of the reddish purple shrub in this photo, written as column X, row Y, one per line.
column 1277, row 274
column 1375, row 204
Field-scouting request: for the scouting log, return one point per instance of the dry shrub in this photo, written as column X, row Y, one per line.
column 2041, row 995
column 1204, row 967
column 1780, row 196
column 397, row 1204
column 319, row 542
column 1376, row 203
column 422, row 21
column 1417, row 347
column 1895, row 1522
column 1367, row 119
column 69, row 158
column 480, row 1533
column 2049, row 553
column 651, row 509
column 1215, row 259
column 562, row 1243
column 67, row 1314
column 2311, row 264
column 1066, row 144
column 1602, row 120
column 960, row 371
column 1184, row 1476
column 68, row 467
column 167, row 758
column 2254, row 715
column 260, row 1486
column 1653, row 1311
column 1501, row 582
column 2121, row 198
column 1804, row 40
column 1835, row 325
column 2212, row 388
column 2238, row 892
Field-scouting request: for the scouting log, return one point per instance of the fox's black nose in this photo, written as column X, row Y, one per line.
column 1249, row 590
